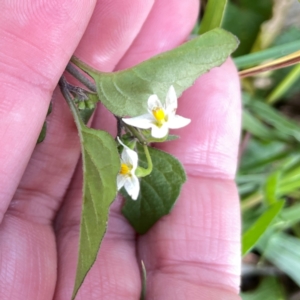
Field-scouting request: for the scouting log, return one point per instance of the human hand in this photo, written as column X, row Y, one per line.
column 193, row 253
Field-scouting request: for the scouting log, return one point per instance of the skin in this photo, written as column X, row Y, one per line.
column 193, row 253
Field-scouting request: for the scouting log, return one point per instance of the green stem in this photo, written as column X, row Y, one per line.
column 144, row 281
column 136, row 133
column 67, row 95
column 78, row 75
column 141, row 172
column 83, row 66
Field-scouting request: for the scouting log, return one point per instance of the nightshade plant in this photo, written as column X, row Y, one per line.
column 129, row 163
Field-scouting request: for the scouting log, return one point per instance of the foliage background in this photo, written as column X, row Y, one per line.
column 269, row 173
column 268, row 177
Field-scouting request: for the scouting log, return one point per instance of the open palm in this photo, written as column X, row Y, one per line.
column 193, row 253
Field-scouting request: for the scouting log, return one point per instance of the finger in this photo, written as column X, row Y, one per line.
column 109, row 18
column 53, row 162
column 111, row 31
column 35, row 47
column 194, row 253
column 168, row 25
column 115, row 274
column 39, row 195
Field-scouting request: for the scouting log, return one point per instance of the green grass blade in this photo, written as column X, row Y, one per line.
column 271, row 188
column 255, row 126
column 284, row 85
column 213, row 15
column 252, row 235
column 286, row 127
column 290, row 215
column 256, row 58
column 284, row 252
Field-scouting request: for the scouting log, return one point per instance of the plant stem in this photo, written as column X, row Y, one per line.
column 119, row 126
column 141, row 172
column 144, row 281
column 63, row 84
column 136, row 133
column 149, row 160
column 79, row 76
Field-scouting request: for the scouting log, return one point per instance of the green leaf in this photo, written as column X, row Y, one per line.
column 271, row 188
column 89, row 107
column 252, row 235
column 126, row 92
column 290, row 175
column 246, row 188
column 256, row 127
column 283, row 251
column 257, row 114
column 260, row 154
column 270, row 288
column 42, row 133
column 101, row 164
column 268, row 114
column 213, row 15
column 290, row 185
column 244, row 20
column 290, row 216
column 159, row 190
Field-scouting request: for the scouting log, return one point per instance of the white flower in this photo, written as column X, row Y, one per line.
column 126, row 176
column 160, row 118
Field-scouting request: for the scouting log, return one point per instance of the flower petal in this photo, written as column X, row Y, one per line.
column 153, row 102
column 178, row 122
column 143, row 121
column 171, row 101
column 128, row 156
column 120, row 142
column 132, row 186
column 159, row 132
column 121, row 179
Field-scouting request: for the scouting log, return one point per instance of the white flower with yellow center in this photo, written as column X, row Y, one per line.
column 126, row 176
column 160, row 117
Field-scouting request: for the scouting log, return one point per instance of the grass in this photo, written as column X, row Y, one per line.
column 269, row 175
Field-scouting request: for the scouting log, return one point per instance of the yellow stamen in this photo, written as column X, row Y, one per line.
column 125, row 169
column 159, row 114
